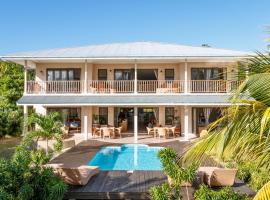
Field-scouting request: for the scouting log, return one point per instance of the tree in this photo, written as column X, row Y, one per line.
column 24, row 177
column 47, row 127
column 11, row 89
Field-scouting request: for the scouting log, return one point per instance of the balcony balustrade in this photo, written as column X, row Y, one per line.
column 128, row 86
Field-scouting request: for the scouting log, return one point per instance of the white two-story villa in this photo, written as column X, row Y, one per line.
column 132, row 85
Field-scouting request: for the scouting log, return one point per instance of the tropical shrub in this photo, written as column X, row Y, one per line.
column 11, row 89
column 178, row 176
column 227, row 193
column 259, row 178
column 177, row 173
column 23, row 177
column 48, row 127
column 165, row 192
column 245, row 171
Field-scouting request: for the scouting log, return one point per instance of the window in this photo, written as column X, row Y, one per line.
column 169, row 115
column 102, row 74
column 123, row 74
column 207, row 73
column 70, row 116
column 169, row 74
column 63, row 74
column 103, row 115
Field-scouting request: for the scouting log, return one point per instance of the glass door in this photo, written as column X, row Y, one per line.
column 147, row 117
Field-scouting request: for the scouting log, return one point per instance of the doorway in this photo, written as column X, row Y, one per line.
column 147, row 117
column 124, row 116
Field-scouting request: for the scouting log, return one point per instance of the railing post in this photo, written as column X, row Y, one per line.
column 186, row 77
column 85, row 77
column 135, row 79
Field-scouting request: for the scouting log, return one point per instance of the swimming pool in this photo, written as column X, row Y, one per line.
column 127, row 157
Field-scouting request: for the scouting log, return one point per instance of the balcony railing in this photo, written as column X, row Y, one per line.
column 160, row 86
column 212, row 86
column 58, row 87
column 128, row 86
column 114, row 86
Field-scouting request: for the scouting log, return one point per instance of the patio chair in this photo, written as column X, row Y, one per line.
column 118, row 131
column 150, row 131
column 96, row 132
column 71, row 175
column 162, row 132
column 218, row 177
column 106, row 132
column 172, row 129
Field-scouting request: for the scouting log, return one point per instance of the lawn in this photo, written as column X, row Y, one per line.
column 7, row 146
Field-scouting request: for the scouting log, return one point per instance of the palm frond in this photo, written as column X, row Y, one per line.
column 264, row 192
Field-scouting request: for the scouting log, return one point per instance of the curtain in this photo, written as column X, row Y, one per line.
column 207, row 112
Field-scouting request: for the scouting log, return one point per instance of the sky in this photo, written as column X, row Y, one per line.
column 231, row 24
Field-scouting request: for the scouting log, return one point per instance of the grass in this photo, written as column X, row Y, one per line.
column 7, row 146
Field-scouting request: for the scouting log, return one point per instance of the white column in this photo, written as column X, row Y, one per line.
column 186, row 122
column 25, row 121
column 85, row 76
column 135, row 79
column 25, row 76
column 90, row 121
column 85, row 127
column 135, row 124
column 186, row 77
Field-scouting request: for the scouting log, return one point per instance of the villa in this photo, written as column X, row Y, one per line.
column 130, row 85
column 135, row 94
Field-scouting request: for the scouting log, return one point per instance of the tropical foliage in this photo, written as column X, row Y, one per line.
column 47, row 127
column 243, row 134
column 178, row 176
column 264, row 193
column 23, row 177
column 11, row 89
column 227, row 193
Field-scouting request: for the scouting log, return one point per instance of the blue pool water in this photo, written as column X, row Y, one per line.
column 127, row 157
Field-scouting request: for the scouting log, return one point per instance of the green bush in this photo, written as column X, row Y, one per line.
column 245, row 170
column 10, row 123
column 177, row 173
column 165, row 192
column 249, row 173
column 259, row 178
column 227, row 193
column 24, row 178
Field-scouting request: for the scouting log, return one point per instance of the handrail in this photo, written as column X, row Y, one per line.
column 160, row 86
column 127, row 86
column 40, row 87
column 110, row 86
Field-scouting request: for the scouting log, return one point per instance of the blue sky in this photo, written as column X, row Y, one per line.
column 34, row 24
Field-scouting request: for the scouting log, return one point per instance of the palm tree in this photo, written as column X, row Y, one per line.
column 244, row 134
column 47, row 127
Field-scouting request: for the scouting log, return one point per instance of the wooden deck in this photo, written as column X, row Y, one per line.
column 120, row 184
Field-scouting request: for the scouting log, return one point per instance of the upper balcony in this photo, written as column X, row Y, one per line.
column 130, row 86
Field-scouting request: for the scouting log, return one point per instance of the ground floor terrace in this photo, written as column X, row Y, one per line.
column 133, row 124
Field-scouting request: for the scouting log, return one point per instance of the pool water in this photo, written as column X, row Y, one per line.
column 127, row 157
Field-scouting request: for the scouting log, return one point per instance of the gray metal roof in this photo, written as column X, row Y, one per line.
column 130, row 50
column 204, row 99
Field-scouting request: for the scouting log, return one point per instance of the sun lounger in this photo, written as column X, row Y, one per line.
column 218, row 177
column 74, row 175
